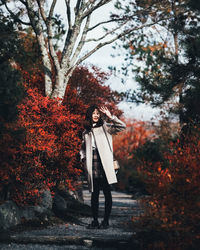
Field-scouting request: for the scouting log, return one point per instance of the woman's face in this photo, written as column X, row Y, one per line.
column 95, row 115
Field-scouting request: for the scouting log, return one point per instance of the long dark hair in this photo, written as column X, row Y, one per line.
column 88, row 118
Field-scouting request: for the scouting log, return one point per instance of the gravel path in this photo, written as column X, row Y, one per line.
column 76, row 236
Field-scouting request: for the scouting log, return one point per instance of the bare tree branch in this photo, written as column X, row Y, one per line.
column 100, row 45
column 35, row 18
column 42, row 12
column 105, row 22
column 52, row 9
column 86, row 5
column 107, row 33
column 70, row 30
column 77, row 8
column 48, row 23
column 67, row 2
column 94, row 7
column 82, row 41
column 32, row 16
column 72, row 34
column 14, row 15
column 70, row 41
column 102, row 37
column 22, row 1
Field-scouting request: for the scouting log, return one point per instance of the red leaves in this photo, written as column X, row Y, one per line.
column 175, row 187
column 49, row 151
column 90, row 88
column 127, row 141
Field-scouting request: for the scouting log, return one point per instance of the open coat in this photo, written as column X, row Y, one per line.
column 106, row 155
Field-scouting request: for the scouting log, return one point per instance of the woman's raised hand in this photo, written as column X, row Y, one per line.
column 105, row 110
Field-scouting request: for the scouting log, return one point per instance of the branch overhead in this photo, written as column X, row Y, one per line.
column 52, row 8
column 48, row 28
column 94, row 5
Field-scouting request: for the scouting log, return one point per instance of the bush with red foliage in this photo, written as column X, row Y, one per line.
column 48, row 151
column 135, row 135
column 125, row 145
column 90, row 88
column 174, row 204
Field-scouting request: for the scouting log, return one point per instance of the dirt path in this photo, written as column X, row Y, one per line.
column 76, row 236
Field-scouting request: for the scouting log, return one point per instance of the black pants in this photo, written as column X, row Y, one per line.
column 98, row 184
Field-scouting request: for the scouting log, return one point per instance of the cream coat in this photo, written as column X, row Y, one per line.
column 105, row 153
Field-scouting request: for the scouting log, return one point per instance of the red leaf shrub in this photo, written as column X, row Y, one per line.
column 174, row 204
column 89, row 86
column 125, row 145
column 48, row 152
column 135, row 135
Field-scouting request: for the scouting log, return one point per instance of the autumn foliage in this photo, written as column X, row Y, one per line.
column 46, row 149
column 174, row 203
column 135, row 135
column 125, row 145
column 46, row 153
column 169, row 171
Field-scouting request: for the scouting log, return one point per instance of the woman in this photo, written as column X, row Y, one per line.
column 97, row 155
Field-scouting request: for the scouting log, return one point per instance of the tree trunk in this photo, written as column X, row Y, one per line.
column 59, row 90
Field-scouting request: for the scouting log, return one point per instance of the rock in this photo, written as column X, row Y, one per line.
column 59, row 203
column 10, row 215
column 46, row 199
column 66, row 207
column 45, row 204
column 77, row 194
column 28, row 213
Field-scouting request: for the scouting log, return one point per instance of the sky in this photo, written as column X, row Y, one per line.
column 103, row 59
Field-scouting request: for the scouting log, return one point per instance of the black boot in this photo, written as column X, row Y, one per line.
column 94, row 225
column 104, row 224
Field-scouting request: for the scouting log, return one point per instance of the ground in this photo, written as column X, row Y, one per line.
column 74, row 235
